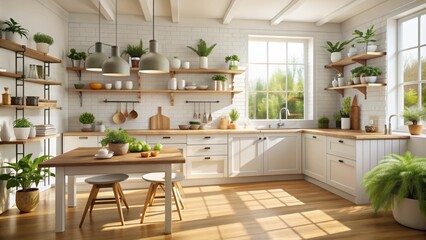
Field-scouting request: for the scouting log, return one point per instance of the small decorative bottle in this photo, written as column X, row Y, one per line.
column 175, row 63
column 334, row 82
column 172, row 84
column 6, row 97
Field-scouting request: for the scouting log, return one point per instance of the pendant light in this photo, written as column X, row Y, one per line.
column 153, row 62
column 115, row 66
column 95, row 60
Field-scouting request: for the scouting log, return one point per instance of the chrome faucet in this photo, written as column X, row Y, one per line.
column 287, row 113
column 390, row 123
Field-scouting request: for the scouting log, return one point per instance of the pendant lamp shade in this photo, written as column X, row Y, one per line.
column 153, row 62
column 115, row 66
column 95, row 60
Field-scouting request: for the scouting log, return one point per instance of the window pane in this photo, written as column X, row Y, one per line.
column 296, row 77
column 423, row 29
column 409, row 33
column 276, row 52
column 296, row 105
column 277, row 77
column 410, row 95
column 275, row 102
column 257, row 105
column 296, row 53
column 257, row 77
column 424, row 95
column 409, row 65
column 257, row 52
column 423, row 62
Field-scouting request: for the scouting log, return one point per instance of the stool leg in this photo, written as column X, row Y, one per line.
column 176, row 202
column 180, row 188
column 147, row 201
column 154, row 191
column 179, row 197
column 95, row 195
column 117, row 199
column 120, row 190
column 88, row 204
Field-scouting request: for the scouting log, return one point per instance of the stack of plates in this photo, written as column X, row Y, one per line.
column 44, row 130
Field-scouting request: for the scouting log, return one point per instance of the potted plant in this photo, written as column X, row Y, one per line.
column 370, row 74
column 100, row 126
column 366, row 38
column 233, row 115
column 135, row 52
column 356, row 74
column 12, row 28
column 352, row 51
column 203, row 52
column 413, row 115
column 323, row 122
column 76, row 57
column 117, row 141
column 399, row 182
column 43, row 42
column 219, row 82
column 336, row 49
column 87, row 120
column 21, row 128
column 24, row 174
column 233, row 61
column 345, row 113
column 338, row 119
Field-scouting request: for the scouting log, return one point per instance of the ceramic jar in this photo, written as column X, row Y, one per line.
column 129, row 85
column 185, row 65
column 181, row 84
column 175, row 63
column 117, row 85
column 6, row 97
column 172, row 84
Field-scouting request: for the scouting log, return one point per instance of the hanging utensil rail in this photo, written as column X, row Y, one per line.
column 109, row 101
column 202, row 101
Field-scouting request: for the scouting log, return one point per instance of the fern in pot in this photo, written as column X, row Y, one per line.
column 413, row 115
column 399, row 182
column 43, row 42
column 135, row 52
column 233, row 115
column 117, row 141
column 21, row 128
column 203, row 52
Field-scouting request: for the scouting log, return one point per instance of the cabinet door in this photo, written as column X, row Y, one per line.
column 341, row 173
column 73, row 142
column 206, row 166
column 245, row 151
column 282, row 154
column 315, row 156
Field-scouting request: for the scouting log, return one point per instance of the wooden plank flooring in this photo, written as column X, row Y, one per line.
column 273, row 210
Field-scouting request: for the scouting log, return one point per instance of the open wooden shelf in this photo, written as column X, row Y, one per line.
column 29, row 107
column 206, row 71
column 107, row 91
column 11, row 75
column 42, row 81
column 359, row 58
column 29, row 140
column 28, row 52
column 360, row 87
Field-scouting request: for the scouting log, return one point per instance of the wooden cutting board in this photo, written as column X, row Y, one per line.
column 159, row 121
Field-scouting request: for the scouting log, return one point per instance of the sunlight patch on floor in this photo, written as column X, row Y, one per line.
column 266, row 199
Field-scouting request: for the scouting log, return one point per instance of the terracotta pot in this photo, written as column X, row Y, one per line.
column 27, row 201
column 415, row 129
column 135, row 61
column 233, row 125
column 119, row 148
column 407, row 212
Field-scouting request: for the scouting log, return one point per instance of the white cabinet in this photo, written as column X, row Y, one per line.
column 341, row 147
column 341, row 173
column 315, row 155
column 73, row 142
column 170, row 141
column 264, row 154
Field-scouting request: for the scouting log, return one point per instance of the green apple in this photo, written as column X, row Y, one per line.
column 158, row 147
column 146, row 148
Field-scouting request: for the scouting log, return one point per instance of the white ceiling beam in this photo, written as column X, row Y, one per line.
column 174, row 7
column 231, row 11
column 146, row 9
column 291, row 7
column 339, row 12
column 107, row 9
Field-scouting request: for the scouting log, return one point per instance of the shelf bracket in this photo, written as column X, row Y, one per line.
column 80, row 96
column 78, row 72
column 172, row 99
column 362, row 90
column 361, row 61
column 341, row 91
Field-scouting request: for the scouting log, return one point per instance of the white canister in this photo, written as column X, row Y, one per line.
column 341, row 81
column 334, row 83
column 175, row 63
column 204, row 62
column 346, row 123
column 129, row 85
column 181, row 84
column 117, row 85
column 108, row 86
column 185, row 65
column 33, row 132
column 172, row 84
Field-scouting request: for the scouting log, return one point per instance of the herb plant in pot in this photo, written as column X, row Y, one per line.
column 338, row 119
column 233, row 115
column 21, row 128
column 135, row 52
column 203, row 52
column 323, row 122
column 233, row 61
column 87, row 120
column 356, row 74
column 117, row 141
column 43, row 42
column 14, row 31
column 219, row 82
column 370, row 74
column 413, row 115
column 398, row 182
column 336, row 49
column 76, row 57
column 366, row 38
column 25, row 173
column 345, row 113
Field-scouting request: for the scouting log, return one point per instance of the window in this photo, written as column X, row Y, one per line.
column 412, row 60
column 277, row 76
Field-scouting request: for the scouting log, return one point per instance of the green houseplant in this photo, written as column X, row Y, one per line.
column 233, row 61
column 43, row 42
column 399, row 182
column 338, row 118
column 203, row 52
column 413, row 115
column 219, row 82
column 233, row 115
column 13, row 27
column 345, row 113
column 21, row 128
column 356, row 74
column 366, row 38
column 336, row 48
column 87, row 119
column 23, row 174
column 117, row 141
column 135, row 52
column 370, row 74
column 76, row 57
column 323, row 122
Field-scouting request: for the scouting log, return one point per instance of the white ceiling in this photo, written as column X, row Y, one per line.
column 275, row 11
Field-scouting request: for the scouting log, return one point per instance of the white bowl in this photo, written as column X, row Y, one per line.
column 203, row 87
column 191, row 87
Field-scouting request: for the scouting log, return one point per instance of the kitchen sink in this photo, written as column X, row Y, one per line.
column 273, row 128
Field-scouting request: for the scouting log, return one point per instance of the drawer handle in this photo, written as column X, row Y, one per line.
column 207, row 137
column 314, row 137
column 340, row 141
column 207, row 158
column 167, row 137
column 83, row 137
column 341, row 161
column 207, row 148
column 264, row 138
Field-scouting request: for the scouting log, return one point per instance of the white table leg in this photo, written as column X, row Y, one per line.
column 71, row 192
column 168, row 200
column 60, row 200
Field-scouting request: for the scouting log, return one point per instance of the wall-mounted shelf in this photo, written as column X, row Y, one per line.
column 29, row 140
column 42, row 81
column 360, row 87
column 29, row 107
column 11, row 75
column 205, row 71
column 79, row 70
column 359, row 58
column 28, row 52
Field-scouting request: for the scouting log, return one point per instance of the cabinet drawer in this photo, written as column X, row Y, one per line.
column 341, row 147
column 204, row 150
column 152, row 139
column 341, row 173
column 208, row 139
column 73, row 142
column 206, row 166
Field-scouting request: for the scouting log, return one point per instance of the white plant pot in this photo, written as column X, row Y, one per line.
column 346, row 123
column 407, row 213
column 42, row 47
column 352, row 51
column 33, row 132
column 21, row 133
column 362, row 80
column 371, row 48
column 87, row 128
column 335, row 56
column 370, row 79
column 175, row 63
column 341, row 81
column 14, row 38
column 356, row 80
column 204, row 62
column 101, row 128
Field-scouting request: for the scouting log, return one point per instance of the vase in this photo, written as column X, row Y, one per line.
column 117, row 85
column 101, row 128
column 204, row 62
column 356, row 80
column 233, row 65
column 129, row 85
column 370, row 79
column 334, row 83
column 5, row 133
column 42, row 47
column 172, row 84
column 346, row 123
column 335, row 56
column 371, row 48
column 175, row 63
column 21, row 133
column 352, row 51
column 181, row 84
column 341, row 81
column 27, row 201
column 186, row 65
column 119, row 148
column 75, row 63
column 33, row 132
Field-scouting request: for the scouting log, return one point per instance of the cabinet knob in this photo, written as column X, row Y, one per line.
column 341, row 161
column 83, row 137
column 207, row 137
column 264, row 138
column 314, row 137
column 260, row 138
column 207, row 148
column 340, row 141
column 206, row 157
column 167, row 137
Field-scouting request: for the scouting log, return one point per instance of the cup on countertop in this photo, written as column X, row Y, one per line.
column 117, row 85
column 103, row 152
column 129, row 85
column 185, row 65
column 181, row 84
column 108, row 86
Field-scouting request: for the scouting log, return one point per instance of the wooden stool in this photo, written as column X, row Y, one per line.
column 158, row 179
column 104, row 181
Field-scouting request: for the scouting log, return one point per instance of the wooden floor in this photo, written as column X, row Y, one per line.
column 273, row 210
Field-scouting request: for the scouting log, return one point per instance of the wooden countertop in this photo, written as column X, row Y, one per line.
column 86, row 157
column 338, row 133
